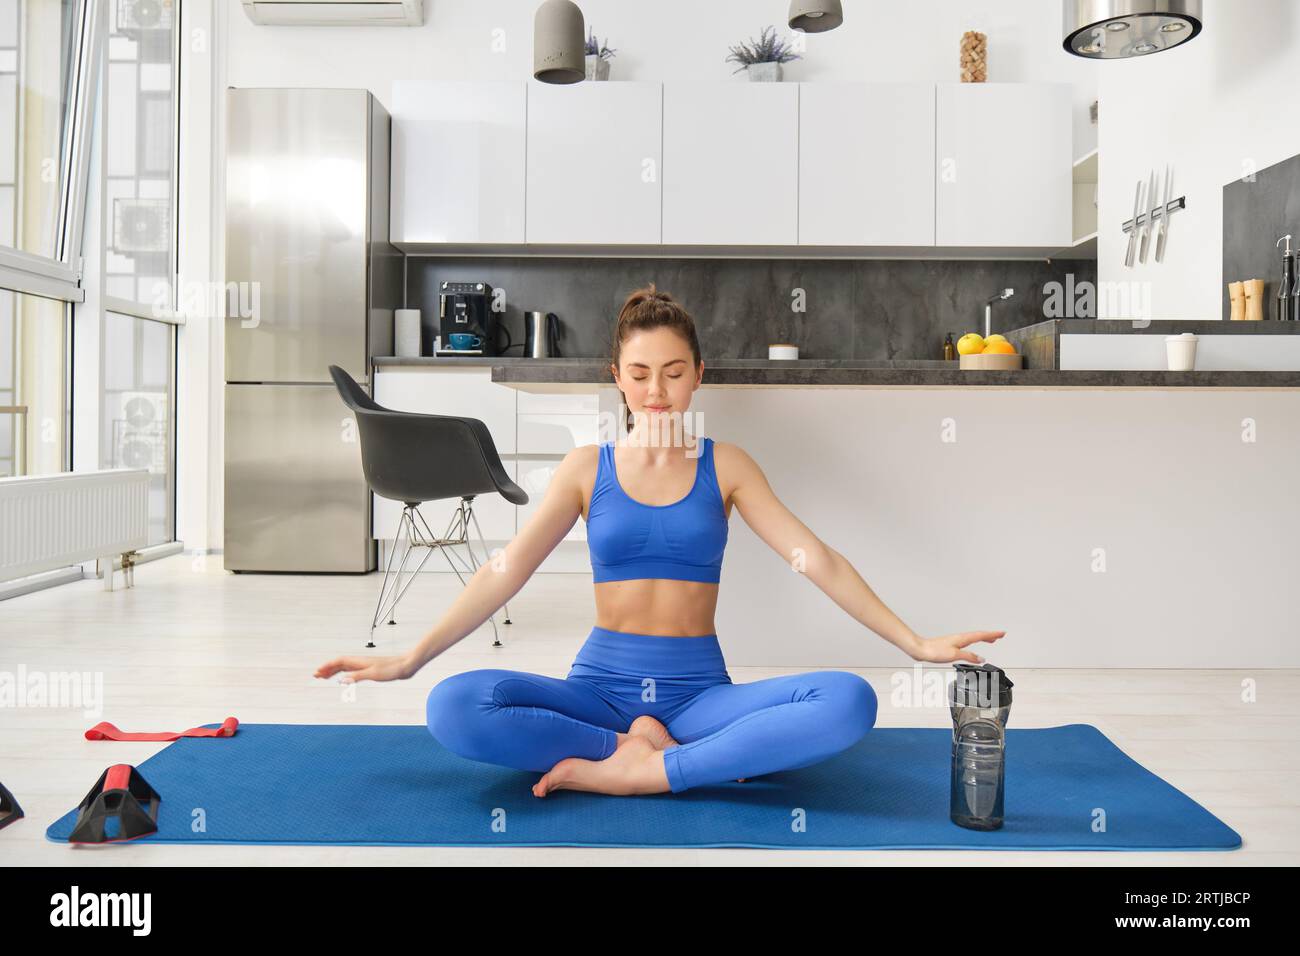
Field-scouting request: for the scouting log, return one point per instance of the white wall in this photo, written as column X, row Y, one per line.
column 469, row 39
column 1222, row 104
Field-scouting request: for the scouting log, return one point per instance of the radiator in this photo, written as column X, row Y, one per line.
column 52, row 521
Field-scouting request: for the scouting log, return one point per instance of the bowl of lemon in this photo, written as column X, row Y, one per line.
column 974, row 351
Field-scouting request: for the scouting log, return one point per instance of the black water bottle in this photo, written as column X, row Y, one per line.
column 980, row 701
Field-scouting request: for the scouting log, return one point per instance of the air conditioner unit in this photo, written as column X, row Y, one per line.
column 141, row 225
column 336, row 13
column 135, row 15
column 140, row 430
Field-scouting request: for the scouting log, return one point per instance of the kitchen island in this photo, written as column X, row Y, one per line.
column 1086, row 512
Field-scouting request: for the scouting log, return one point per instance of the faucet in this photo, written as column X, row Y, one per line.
column 988, row 309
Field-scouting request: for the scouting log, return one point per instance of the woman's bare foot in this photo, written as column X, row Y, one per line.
column 655, row 732
column 652, row 730
column 636, row 767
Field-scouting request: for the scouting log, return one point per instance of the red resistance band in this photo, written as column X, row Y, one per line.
column 106, row 731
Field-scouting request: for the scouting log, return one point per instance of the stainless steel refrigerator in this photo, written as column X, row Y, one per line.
column 311, row 281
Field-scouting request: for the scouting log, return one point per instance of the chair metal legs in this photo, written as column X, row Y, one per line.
column 415, row 532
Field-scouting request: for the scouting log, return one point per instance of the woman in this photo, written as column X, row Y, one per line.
column 648, row 706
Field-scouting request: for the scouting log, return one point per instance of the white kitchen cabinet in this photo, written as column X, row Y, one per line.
column 593, row 163
column 730, row 163
column 549, row 434
column 866, row 164
column 1003, row 164
column 550, row 425
column 532, row 433
column 535, row 476
column 469, row 392
column 557, row 403
column 458, row 162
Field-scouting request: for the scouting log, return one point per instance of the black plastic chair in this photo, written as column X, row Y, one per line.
column 413, row 458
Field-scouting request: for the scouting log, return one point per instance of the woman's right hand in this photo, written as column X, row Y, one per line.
column 367, row 668
column 950, row 647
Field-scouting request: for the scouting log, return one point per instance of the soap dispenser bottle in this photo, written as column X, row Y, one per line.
column 1286, row 287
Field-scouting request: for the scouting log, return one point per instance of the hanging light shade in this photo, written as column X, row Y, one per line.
column 559, row 43
column 815, row 16
column 1117, row 29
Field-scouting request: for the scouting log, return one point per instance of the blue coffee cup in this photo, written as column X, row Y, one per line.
column 465, row 340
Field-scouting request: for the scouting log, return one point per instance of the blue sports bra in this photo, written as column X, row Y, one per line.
column 682, row 541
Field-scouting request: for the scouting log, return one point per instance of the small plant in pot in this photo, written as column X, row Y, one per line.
column 762, row 58
column 598, row 56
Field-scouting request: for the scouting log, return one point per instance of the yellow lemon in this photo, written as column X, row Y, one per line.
column 972, row 343
column 995, row 337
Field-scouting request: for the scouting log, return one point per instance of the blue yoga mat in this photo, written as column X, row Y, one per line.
column 354, row 785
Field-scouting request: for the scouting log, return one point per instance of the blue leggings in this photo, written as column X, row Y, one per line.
column 725, row 731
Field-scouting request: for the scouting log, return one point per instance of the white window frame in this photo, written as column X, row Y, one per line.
column 59, row 277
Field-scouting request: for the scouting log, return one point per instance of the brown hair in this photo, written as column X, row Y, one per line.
column 648, row 308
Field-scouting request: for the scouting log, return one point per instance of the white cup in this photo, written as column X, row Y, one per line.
column 783, row 350
column 1181, row 352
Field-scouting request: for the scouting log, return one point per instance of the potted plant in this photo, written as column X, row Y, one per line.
column 597, row 58
column 762, row 58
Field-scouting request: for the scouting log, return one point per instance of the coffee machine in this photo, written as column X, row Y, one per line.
column 465, row 323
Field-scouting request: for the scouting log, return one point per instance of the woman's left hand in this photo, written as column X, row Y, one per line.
column 944, row 650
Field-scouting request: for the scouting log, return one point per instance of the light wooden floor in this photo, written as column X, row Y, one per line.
column 191, row 644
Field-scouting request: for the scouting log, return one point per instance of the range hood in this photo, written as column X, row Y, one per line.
column 331, row 13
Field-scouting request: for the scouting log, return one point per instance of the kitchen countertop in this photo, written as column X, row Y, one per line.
column 585, row 373
column 579, row 377
column 1159, row 327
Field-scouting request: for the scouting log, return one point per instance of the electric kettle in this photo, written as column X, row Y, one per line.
column 541, row 335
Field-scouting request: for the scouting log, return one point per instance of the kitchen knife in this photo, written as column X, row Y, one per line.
column 1133, row 233
column 1164, row 216
column 1146, row 226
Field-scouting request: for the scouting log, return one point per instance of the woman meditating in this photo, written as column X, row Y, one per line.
column 648, row 706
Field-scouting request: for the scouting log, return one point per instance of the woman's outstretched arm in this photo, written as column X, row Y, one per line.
column 491, row 586
column 806, row 553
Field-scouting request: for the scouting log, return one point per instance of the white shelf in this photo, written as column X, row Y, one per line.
column 1084, row 189
column 1085, row 168
column 1085, row 247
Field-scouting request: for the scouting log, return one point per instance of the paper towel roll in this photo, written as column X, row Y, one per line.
column 406, row 333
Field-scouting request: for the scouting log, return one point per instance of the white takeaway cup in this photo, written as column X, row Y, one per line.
column 1181, row 351
column 783, row 350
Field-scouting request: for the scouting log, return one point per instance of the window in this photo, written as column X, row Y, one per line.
column 137, row 340
column 136, row 421
column 37, row 51
column 34, row 407
column 138, row 181
column 47, row 66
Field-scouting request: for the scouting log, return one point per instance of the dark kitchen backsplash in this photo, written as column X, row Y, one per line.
column 854, row 309
column 1255, row 215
